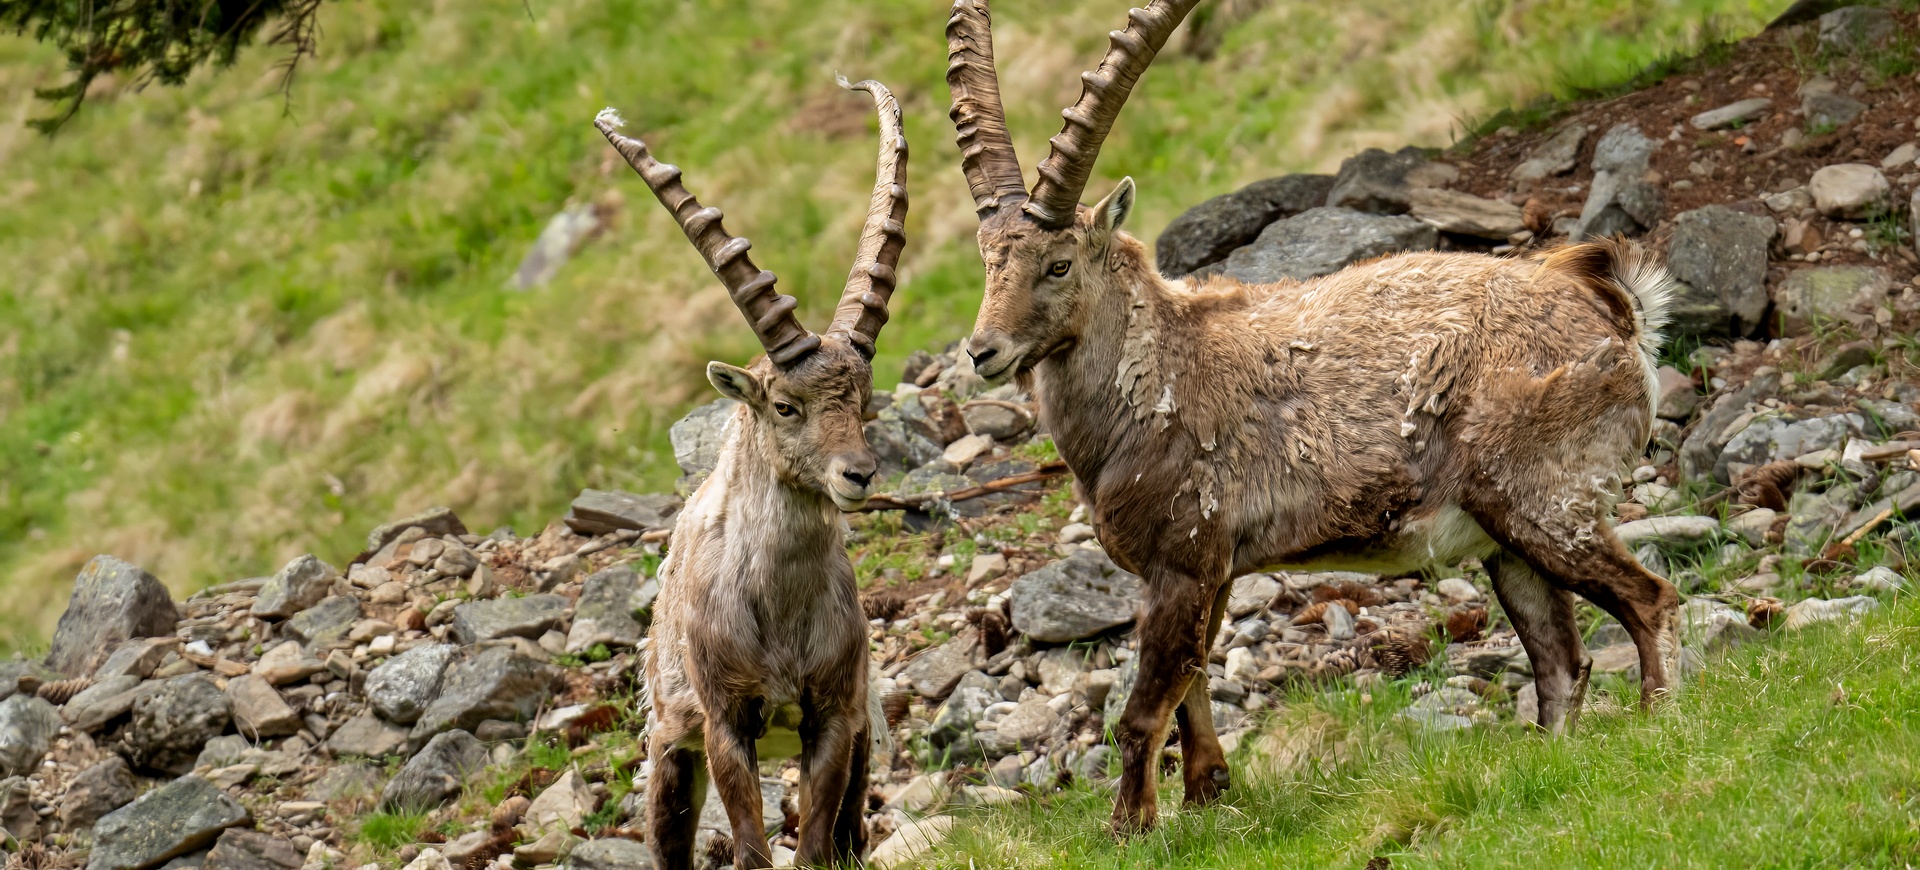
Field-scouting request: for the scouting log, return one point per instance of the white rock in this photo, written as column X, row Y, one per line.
column 1816, row 610
column 986, row 566
column 1900, row 156
column 1849, row 190
column 1074, row 533
column 967, row 449
column 1457, row 590
column 430, row 859
column 1725, row 116
column 1753, row 525
column 1666, row 530
column 910, row 841
column 1250, row 593
column 563, row 805
column 1880, row 578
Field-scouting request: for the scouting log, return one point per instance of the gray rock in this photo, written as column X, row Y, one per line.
column 1828, row 293
column 1074, row 598
column 1825, row 109
column 1451, row 211
column 1556, row 156
column 1429, row 720
column 433, row 522
column 1731, row 114
column 1488, row 661
column 27, row 726
column 258, row 709
column 1817, row 610
column 697, row 440
column 1851, row 28
column 998, row 422
column 1620, row 200
column 1678, row 397
column 528, row 617
column 18, row 818
column 436, row 773
column 713, row 814
column 898, row 446
column 95, row 792
column 1322, row 241
column 1250, row 593
column 402, row 687
column 934, row 672
column 1850, row 191
column 611, row 854
column 1379, row 182
column 1210, row 231
column 1668, row 531
column 492, row 682
column 1029, row 723
column 598, row 512
column 1448, row 699
column 137, row 657
column 183, row 816
column 367, row 737
column 951, row 732
column 565, row 233
column 456, row 561
column 324, row 624
column 241, row 849
column 1723, row 253
column 607, row 611
column 112, row 601
column 13, row 670
column 101, row 703
column 345, row 781
column 297, row 586
column 1709, row 625
column 171, row 724
column 1709, row 436
column 1123, row 681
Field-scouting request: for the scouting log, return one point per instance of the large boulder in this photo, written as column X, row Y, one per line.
column 297, row 586
column 1828, row 293
column 95, row 792
column 609, row 608
column 27, row 726
column 491, row 682
column 400, row 688
column 434, row 774
column 1621, row 200
column 173, row 723
column 1452, row 211
column 1208, row 232
column 1323, row 241
column 241, row 849
column 697, row 439
column 1380, row 182
column 112, row 601
column 597, row 512
column 183, row 816
column 1722, row 255
column 1074, row 598
column 528, row 617
column 1556, row 156
column 934, row 671
column 1850, row 28
column 1850, row 191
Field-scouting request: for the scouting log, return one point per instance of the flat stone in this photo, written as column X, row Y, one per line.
column 324, row 624
column 1830, row 110
column 101, row 703
column 1380, row 182
column 996, row 422
column 1323, row 241
column 967, row 449
column 1731, row 114
column 1457, row 590
column 609, row 610
column 137, row 657
column 1556, row 156
column 95, row 792
column 609, row 854
column 1850, row 191
column 1029, row 723
column 562, row 805
column 1709, row 626
column 494, row 682
column 258, row 710
column 112, row 601
column 1817, row 610
column 1208, row 232
column 1823, row 293
column 1251, row 593
column 599, row 512
column 1451, row 211
column 434, row 522
column 287, row 663
column 951, row 731
column 1723, row 254
column 1678, row 397
column 697, row 439
column 297, row 586
column 528, row 617
column 436, row 773
column 1670, row 531
column 183, row 816
column 27, row 727
column 400, row 688
column 933, row 672
column 910, row 841
column 1074, row 598
column 241, row 849
column 172, row 724
column 367, row 737
column 1900, row 156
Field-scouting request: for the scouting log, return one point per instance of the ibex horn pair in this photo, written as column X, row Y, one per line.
column 986, row 151
column 863, row 304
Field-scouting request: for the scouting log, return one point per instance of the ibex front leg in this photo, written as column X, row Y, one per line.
column 825, row 767
column 735, row 771
column 1203, row 765
column 1172, row 651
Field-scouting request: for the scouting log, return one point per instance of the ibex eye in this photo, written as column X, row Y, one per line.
column 1059, row 268
column 783, row 409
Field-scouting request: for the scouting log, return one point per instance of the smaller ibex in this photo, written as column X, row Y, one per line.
column 1408, row 413
column 758, row 636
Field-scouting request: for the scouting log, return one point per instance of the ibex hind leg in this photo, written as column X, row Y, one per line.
column 850, row 827
column 1543, row 616
column 1203, row 764
column 676, row 789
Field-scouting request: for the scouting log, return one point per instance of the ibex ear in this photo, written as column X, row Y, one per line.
column 1112, row 211
column 736, row 383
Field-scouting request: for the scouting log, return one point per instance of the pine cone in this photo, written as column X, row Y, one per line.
column 894, row 706
column 1466, row 624
column 1360, row 594
column 59, row 693
column 1317, row 611
column 884, row 604
column 1398, row 653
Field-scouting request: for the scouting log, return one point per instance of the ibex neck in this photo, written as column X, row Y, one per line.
column 1113, row 389
column 779, row 523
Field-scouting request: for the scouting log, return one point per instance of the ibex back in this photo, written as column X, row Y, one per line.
column 1406, row 413
column 758, row 636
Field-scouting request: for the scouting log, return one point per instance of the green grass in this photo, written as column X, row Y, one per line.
column 390, row 830
column 1803, row 751
column 234, row 328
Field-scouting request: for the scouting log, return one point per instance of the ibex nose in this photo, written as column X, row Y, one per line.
column 858, row 468
column 984, row 348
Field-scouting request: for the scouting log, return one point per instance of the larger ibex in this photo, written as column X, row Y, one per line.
column 758, row 634
column 1414, row 411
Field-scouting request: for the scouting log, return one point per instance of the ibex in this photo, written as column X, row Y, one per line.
column 1408, row 413
column 758, row 634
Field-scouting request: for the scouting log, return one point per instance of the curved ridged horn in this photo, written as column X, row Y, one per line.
column 863, row 305
column 769, row 312
column 986, row 149
column 1063, row 175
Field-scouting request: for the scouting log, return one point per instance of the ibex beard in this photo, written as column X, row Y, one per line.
column 1404, row 414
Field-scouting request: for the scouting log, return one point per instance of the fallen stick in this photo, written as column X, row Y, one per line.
column 915, row 502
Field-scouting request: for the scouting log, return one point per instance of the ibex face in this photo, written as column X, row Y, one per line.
column 1040, row 281
column 807, row 418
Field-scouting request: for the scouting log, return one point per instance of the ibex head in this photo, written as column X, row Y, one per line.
column 1045, row 254
column 807, row 397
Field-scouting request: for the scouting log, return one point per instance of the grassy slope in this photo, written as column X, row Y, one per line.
column 1802, row 752
column 233, row 330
